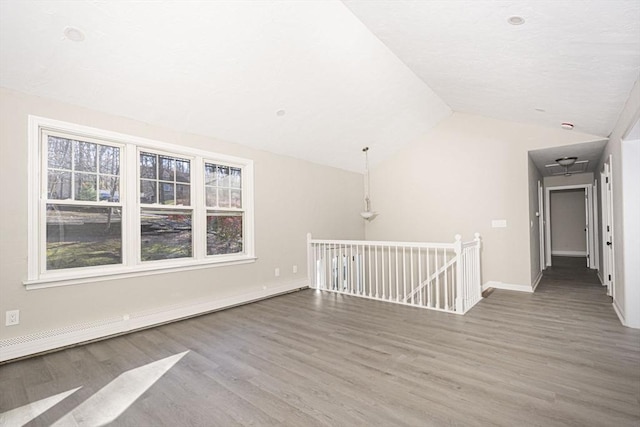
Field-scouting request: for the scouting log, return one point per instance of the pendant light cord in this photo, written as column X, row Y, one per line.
column 367, row 182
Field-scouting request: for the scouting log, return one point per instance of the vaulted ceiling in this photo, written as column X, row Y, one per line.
column 319, row 80
column 569, row 61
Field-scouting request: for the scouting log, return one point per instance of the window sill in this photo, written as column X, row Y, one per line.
column 138, row 271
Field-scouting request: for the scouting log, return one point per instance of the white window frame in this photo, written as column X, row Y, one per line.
column 44, row 201
column 132, row 266
column 243, row 200
column 162, row 207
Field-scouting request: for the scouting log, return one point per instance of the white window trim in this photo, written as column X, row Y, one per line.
column 36, row 278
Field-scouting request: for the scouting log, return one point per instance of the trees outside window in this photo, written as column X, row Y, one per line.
column 83, row 220
column 223, row 187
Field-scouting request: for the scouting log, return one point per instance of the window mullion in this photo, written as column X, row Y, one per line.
column 199, row 219
column 247, row 208
column 73, row 172
column 129, row 186
column 42, row 203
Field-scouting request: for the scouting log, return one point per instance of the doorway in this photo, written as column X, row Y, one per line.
column 569, row 230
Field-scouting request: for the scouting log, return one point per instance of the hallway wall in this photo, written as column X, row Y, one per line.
column 628, row 117
column 573, row 179
column 631, row 175
column 535, row 209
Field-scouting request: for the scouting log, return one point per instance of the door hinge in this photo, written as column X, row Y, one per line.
column 609, row 277
column 608, row 228
column 607, row 180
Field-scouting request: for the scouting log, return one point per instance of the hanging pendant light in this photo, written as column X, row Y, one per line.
column 566, row 162
column 367, row 213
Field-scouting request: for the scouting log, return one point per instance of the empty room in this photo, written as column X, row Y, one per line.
column 320, row 213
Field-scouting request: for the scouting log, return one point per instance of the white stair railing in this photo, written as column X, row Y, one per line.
column 438, row 276
column 431, row 279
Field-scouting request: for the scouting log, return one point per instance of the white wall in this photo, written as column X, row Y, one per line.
column 568, row 222
column 574, row 179
column 631, row 214
column 628, row 117
column 292, row 197
column 466, row 172
column 534, row 223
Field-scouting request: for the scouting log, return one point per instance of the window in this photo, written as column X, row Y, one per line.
column 110, row 205
column 165, row 230
column 164, row 180
column 223, row 189
column 83, row 211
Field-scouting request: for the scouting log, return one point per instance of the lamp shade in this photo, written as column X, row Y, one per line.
column 566, row 161
column 368, row 215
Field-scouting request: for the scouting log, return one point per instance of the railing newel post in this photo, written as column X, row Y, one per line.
column 459, row 275
column 477, row 279
column 311, row 262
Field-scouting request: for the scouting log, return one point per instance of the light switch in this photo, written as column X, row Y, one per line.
column 499, row 223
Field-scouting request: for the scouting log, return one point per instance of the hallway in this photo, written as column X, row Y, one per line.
column 570, row 270
column 570, row 280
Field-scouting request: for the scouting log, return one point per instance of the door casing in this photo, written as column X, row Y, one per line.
column 588, row 188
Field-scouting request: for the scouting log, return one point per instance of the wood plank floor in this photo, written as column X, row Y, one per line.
column 555, row 357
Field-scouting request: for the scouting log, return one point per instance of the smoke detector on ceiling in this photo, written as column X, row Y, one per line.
column 515, row 20
column 74, row 34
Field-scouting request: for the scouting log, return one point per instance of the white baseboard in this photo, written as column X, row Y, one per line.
column 600, row 278
column 569, row 253
column 507, row 286
column 536, row 282
column 619, row 312
column 12, row 348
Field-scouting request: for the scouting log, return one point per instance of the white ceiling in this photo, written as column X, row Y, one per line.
column 577, row 60
column 224, row 68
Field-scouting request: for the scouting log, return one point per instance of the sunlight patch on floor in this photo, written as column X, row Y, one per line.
column 112, row 400
column 22, row 415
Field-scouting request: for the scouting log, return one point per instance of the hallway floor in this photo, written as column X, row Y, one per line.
column 571, row 271
column 570, row 280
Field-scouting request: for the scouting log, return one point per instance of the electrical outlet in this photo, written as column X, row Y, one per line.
column 277, row 272
column 12, row 317
column 295, row 269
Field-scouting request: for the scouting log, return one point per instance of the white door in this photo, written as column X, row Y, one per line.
column 541, row 225
column 586, row 225
column 595, row 256
column 605, row 238
column 608, row 254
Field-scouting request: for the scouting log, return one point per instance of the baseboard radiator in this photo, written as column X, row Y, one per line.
column 52, row 339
